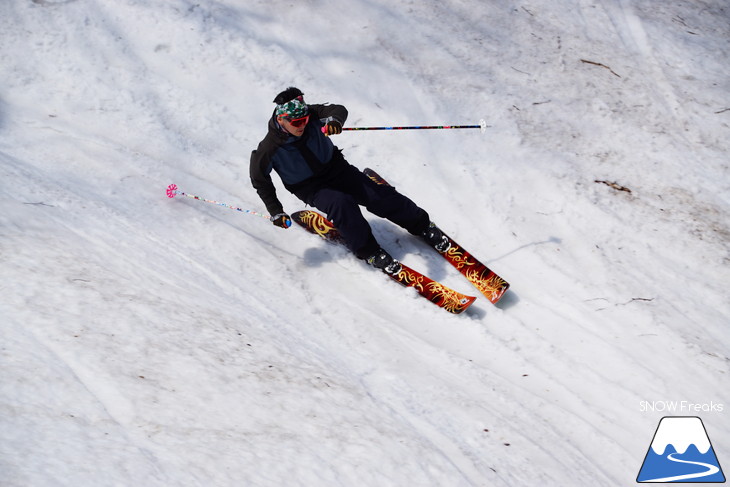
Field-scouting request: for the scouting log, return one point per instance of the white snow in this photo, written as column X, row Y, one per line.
column 148, row 341
column 680, row 432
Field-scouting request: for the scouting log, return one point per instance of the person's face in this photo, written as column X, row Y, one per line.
column 295, row 127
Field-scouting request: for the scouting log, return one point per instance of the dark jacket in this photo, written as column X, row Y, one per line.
column 304, row 163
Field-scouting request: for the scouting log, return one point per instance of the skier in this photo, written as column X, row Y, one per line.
column 297, row 146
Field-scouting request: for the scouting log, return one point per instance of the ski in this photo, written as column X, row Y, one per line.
column 482, row 277
column 440, row 295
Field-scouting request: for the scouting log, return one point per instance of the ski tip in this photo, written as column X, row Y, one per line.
column 171, row 190
column 464, row 302
column 498, row 293
column 483, row 125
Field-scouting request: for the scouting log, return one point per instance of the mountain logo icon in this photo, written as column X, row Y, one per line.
column 681, row 452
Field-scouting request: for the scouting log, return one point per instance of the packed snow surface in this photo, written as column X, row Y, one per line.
column 172, row 342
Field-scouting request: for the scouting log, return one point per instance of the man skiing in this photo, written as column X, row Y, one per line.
column 297, row 146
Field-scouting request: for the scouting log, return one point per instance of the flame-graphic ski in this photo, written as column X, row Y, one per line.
column 440, row 295
column 482, row 277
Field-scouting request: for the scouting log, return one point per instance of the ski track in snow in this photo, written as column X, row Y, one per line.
column 149, row 341
column 711, row 470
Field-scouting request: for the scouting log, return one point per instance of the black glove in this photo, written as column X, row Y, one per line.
column 333, row 127
column 281, row 220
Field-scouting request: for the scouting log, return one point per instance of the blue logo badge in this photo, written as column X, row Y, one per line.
column 681, row 452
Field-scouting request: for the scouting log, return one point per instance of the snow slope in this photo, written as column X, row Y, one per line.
column 148, row 341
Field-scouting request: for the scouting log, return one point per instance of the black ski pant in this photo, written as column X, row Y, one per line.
column 341, row 198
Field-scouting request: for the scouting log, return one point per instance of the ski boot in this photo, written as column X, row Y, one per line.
column 383, row 261
column 436, row 238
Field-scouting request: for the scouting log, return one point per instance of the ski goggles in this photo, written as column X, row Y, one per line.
column 299, row 122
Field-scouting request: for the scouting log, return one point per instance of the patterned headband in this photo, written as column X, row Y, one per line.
column 295, row 108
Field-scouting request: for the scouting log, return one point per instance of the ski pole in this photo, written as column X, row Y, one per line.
column 482, row 125
column 173, row 191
